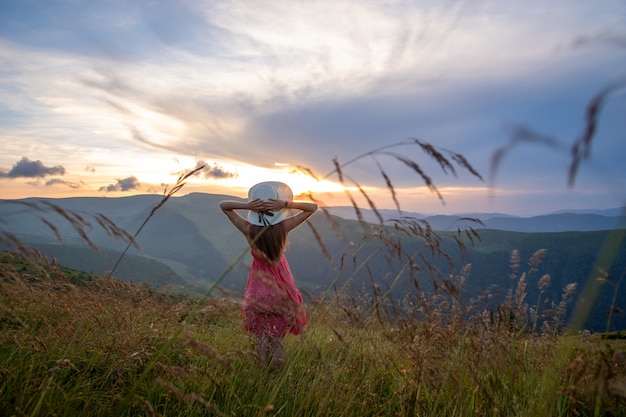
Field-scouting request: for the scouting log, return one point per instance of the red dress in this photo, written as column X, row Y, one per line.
column 272, row 304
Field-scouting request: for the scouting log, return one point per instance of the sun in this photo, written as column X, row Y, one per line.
column 304, row 184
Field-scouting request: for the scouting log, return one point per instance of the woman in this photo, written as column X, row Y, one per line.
column 272, row 305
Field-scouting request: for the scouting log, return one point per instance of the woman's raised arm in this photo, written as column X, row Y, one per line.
column 306, row 210
column 229, row 207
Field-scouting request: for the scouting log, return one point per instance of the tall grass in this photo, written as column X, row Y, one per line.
column 79, row 349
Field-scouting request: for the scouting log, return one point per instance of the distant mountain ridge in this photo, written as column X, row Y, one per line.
column 561, row 221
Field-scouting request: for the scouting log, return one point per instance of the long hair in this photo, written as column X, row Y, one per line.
column 271, row 241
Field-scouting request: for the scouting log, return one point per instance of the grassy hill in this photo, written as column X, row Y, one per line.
column 132, row 268
column 73, row 344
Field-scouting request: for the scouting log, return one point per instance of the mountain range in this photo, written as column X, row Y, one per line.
column 188, row 245
column 561, row 221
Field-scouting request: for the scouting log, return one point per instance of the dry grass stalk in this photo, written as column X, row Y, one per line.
column 581, row 148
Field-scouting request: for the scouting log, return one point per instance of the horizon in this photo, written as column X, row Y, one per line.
column 116, row 99
column 347, row 206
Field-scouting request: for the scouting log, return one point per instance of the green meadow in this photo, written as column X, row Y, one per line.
column 78, row 344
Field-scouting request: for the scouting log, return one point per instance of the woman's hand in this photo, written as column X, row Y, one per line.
column 270, row 205
column 276, row 205
column 257, row 205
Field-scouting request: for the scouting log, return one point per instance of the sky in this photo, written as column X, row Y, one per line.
column 120, row 97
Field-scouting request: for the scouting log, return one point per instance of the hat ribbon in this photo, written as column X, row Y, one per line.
column 262, row 218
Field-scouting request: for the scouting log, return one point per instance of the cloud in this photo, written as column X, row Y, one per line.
column 25, row 168
column 58, row 181
column 215, row 171
column 126, row 184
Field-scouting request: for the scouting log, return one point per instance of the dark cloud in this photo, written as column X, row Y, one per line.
column 126, row 184
column 90, row 169
column 215, row 171
column 58, row 181
column 25, row 168
column 470, row 118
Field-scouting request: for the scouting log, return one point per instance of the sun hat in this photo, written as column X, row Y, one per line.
column 265, row 191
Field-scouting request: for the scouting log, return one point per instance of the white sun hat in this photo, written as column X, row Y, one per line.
column 266, row 191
